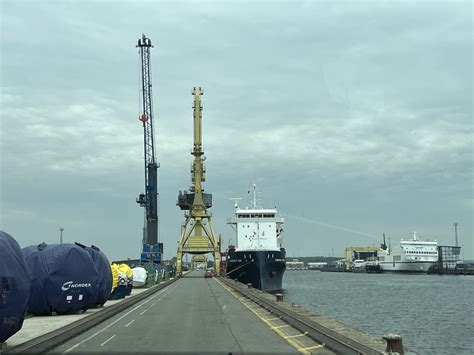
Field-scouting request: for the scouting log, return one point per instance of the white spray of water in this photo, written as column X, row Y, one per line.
column 332, row 226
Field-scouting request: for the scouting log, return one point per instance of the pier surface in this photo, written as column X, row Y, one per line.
column 194, row 314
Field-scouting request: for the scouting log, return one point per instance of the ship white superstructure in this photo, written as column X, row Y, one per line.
column 412, row 255
column 257, row 228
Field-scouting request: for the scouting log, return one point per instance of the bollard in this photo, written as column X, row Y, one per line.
column 249, row 285
column 279, row 297
column 394, row 343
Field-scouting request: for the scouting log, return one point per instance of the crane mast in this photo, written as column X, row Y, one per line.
column 152, row 250
column 197, row 234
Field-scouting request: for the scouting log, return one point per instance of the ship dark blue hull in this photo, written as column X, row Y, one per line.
column 263, row 269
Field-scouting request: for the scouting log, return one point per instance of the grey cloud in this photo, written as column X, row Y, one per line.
column 353, row 114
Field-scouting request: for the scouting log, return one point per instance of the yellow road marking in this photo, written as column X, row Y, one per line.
column 269, row 319
column 310, row 348
column 296, row 336
column 246, row 303
column 290, row 341
column 281, row 326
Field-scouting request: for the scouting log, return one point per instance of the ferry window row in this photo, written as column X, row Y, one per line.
column 248, row 226
column 265, row 215
column 422, row 252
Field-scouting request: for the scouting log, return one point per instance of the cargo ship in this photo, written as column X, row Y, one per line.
column 258, row 258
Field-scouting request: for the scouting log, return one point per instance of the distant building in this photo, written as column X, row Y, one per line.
column 295, row 265
column 317, row 265
column 448, row 256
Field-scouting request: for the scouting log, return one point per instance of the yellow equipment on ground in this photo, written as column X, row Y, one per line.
column 115, row 276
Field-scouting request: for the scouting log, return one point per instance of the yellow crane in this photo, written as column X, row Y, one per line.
column 197, row 234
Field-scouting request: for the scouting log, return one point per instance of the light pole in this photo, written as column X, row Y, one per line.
column 61, row 230
column 455, row 224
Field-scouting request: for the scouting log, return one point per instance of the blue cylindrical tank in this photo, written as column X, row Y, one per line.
column 14, row 286
column 64, row 278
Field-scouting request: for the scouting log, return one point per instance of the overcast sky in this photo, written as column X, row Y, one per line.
column 354, row 118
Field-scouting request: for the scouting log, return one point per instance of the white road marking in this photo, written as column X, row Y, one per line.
column 154, row 303
column 105, row 342
column 144, row 312
column 111, row 324
column 133, row 320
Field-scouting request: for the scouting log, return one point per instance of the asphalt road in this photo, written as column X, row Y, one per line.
column 193, row 315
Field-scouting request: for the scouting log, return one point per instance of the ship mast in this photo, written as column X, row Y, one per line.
column 254, row 192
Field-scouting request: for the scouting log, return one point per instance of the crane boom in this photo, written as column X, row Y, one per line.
column 149, row 199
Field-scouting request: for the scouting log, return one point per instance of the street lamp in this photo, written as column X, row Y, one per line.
column 61, row 230
column 455, row 224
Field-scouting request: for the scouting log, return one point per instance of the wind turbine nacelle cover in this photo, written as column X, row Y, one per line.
column 64, row 278
column 14, row 287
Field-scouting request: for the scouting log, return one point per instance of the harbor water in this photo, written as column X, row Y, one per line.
column 433, row 314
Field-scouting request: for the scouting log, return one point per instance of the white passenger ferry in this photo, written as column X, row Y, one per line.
column 412, row 255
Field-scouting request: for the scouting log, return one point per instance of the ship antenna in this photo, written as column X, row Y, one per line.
column 254, row 196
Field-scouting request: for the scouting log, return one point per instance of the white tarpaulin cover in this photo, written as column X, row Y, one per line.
column 139, row 276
